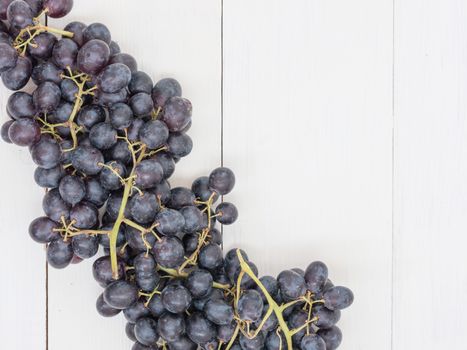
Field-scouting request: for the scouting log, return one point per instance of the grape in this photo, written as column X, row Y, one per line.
column 114, row 77
column 136, row 311
column 55, row 207
column 199, row 283
column 141, row 104
column 250, row 306
column 44, row 44
column 148, row 174
column 85, row 246
column 42, row 229
column 93, row 56
column 77, row 28
column 59, row 253
column 154, row 134
column 297, row 319
column 135, row 240
column 17, row 77
column 95, row 193
column 5, row 129
column 222, row 180
column 226, row 332
column 103, row 136
column 210, row 257
column 193, row 219
column 167, row 163
column 176, row 299
column 168, row 252
column 216, row 236
column 4, row 37
column 312, row 342
column 133, row 130
column 130, row 331
column 104, row 240
column 140, row 82
column 72, row 189
column 97, row 31
column 170, row 222
column 219, row 312
column 87, row 159
column 64, row 53
column 102, row 271
column 121, row 116
column 155, row 306
column 84, row 215
column 3, row 7
column 199, row 329
column 47, row 97
column 106, row 99
column 274, row 342
column 58, row 8
column 179, row 144
column 143, row 208
column 227, row 213
column 108, row 179
column 145, row 268
column 146, row 331
column 177, row 113
column 19, row 15
column 171, row 327
column 332, row 337
column 200, row 188
column 252, row 344
column 46, row 71
column 271, row 322
column 119, row 152
column 114, row 48
column 21, row 105
column 35, row 5
column 24, row 132
column 326, row 318
column 120, row 294
column 46, row 153
column 162, row 191
column 200, row 303
column 291, row 284
column 271, row 285
column 104, row 309
column 338, row 298
column 126, row 59
column 181, row 197
column 69, row 91
column 165, row 89
column 316, row 275
column 183, row 343
column 90, row 115
column 8, row 57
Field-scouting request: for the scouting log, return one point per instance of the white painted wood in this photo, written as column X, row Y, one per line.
column 308, row 131
column 430, row 309
column 180, row 39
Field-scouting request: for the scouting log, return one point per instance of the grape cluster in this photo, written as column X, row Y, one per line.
column 105, row 140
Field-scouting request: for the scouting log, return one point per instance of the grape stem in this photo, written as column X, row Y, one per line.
column 182, row 274
column 21, row 44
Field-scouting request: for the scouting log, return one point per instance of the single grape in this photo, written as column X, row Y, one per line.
column 210, row 256
column 20, row 105
column 24, row 132
column 177, row 113
column 168, row 252
column 133, row 130
column 64, row 53
column 169, row 222
column 87, row 159
column 114, row 77
column 332, row 337
column 143, row 208
column 46, row 153
column 141, row 104
column 17, row 77
column 120, row 115
column 77, row 28
column 120, row 294
column 291, row 284
column 46, row 71
column 8, row 57
column 181, row 197
column 119, row 152
column 226, row 332
column 146, row 274
column 93, row 56
column 130, row 331
column 215, row 236
column 95, row 193
column 274, row 341
column 326, row 318
column 97, row 31
column 5, row 129
column 154, row 134
column 167, row 163
column 72, row 189
column 114, row 48
column 162, row 192
column 104, row 309
column 104, row 99
column 140, row 82
column 170, row 327
column 296, row 320
column 19, row 16
column 312, row 342
column 199, row 329
column 90, row 115
column 199, row 283
column 226, row 213
column 85, row 246
column 3, row 8
column 179, row 144
column 271, row 285
column 146, row 331
column 200, row 188
column 36, row 6
column 55, row 207
column 165, row 89
column 84, row 215
column 182, row 343
column 136, row 311
column 250, row 306
column 69, row 90
column 176, row 299
column 252, row 344
column 126, row 59
column 338, row 298
column 316, row 275
column 59, row 253
column 108, row 176
column 44, row 44
column 58, row 8
column 102, row 270
column 103, row 136
column 222, row 180
column 42, row 229
column 193, row 219
column 148, row 174
column 156, row 307
column 47, row 97
column 219, row 312
column 104, row 239
column 135, row 240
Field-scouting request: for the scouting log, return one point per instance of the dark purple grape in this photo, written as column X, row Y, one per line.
column 104, row 240
column 17, row 77
column 114, row 48
column 338, row 298
column 130, row 331
column 105, row 99
column 55, row 207
column 154, row 134
column 85, row 246
column 219, row 312
column 250, row 306
column 126, row 59
column 120, row 294
column 114, row 77
column 87, row 159
column 119, row 152
column 24, row 132
column 77, row 29
column 90, row 115
column 64, row 53
column 72, row 189
column 183, row 343
column 84, row 215
column 46, row 153
column 312, row 342
column 297, row 319
column 210, row 257
column 140, row 82
column 168, row 252
column 58, row 8
column 114, row 203
column 143, row 208
column 156, row 307
column 226, row 213
column 316, row 275
column 199, row 283
column 167, row 163
column 148, row 174
column 171, row 327
column 181, row 197
column 252, row 344
column 108, row 179
column 120, row 115
column 291, row 285
column 43, row 46
column 69, row 90
column 193, row 219
column 20, row 105
column 103, row 136
column 42, row 229
column 200, row 188
column 95, row 193
column 47, row 97
column 93, row 56
column 226, row 332
column 19, row 16
column 102, row 270
column 326, row 318
column 141, row 104
column 36, row 6
column 146, row 275
column 133, row 130
column 8, row 57
column 3, row 8
column 5, row 38
column 104, row 309
column 232, row 263
column 5, row 128
column 200, row 303
column 61, row 115
column 46, row 71
column 332, row 337
column 136, row 311
column 274, row 341
column 222, row 180
column 146, row 331
column 215, row 236
column 97, row 31
column 59, row 253
column 162, row 191
column 169, row 222
column 179, row 144
column 199, row 329
column 177, row 113
column 165, row 89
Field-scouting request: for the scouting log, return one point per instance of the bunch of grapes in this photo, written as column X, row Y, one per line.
column 105, row 140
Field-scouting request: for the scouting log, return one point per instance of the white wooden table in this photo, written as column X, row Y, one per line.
column 346, row 125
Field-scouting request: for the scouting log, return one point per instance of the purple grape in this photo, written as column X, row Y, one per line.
column 154, row 134
column 146, row 331
column 46, row 71
column 332, row 337
column 179, row 144
column 46, row 153
column 19, row 15
column 8, row 57
column 121, row 116
column 338, row 298
column 87, row 159
column 120, row 294
column 126, row 59
column 97, row 31
column 227, row 213
column 85, row 246
column 165, row 89
column 58, row 8
column 222, row 180
column 5, row 129
column 177, row 113
column 104, row 309
column 20, row 105
column 17, row 77
column 199, row 329
column 141, row 104
column 44, row 44
column 64, row 53
column 59, row 253
column 171, row 327
column 135, row 312
column 169, row 252
column 77, row 28
column 140, row 82
column 42, row 229
column 55, row 207
column 250, row 306
column 93, row 56
column 49, row 178
column 47, row 97
column 24, row 132
column 148, row 174
column 114, row 77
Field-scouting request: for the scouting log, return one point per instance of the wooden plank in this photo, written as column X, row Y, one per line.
column 308, row 132
column 430, row 175
column 180, row 39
